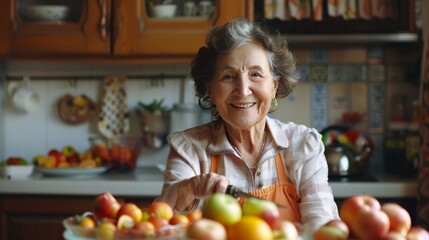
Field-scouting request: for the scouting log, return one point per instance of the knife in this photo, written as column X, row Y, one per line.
column 237, row 193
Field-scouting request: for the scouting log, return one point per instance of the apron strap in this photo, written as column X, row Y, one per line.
column 281, row 171
column 215, row 163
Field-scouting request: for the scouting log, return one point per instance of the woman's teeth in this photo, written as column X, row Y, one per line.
column 247, row 105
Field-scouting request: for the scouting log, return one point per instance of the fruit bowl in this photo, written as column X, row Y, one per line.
column 73, row 231
column 46, row 13
column 120, row 153
column 16, row 172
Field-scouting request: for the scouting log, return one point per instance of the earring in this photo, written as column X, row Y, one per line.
column 274, row 105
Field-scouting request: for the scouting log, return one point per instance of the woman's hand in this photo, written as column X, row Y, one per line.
column 200, row 187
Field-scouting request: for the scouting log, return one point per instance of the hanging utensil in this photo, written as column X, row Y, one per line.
column 114, row 120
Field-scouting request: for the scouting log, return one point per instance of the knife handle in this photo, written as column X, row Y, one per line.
column 232, row 190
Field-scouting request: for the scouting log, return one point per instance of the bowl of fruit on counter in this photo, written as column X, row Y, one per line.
column 15, row 168
column 120, row 153
column 69, row 162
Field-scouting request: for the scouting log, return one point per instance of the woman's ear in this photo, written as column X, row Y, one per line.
column 275, row 87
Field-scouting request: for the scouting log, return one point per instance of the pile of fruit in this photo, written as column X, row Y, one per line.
column 364, row 217
column 66, row 158
column 222, row 217
column 14, row 161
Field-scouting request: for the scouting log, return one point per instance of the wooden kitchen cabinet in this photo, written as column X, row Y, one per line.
column 40, row 217
column 108, row 29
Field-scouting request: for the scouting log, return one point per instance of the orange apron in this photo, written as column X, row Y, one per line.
column 282, row 192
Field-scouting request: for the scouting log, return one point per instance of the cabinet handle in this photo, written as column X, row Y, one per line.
column 118, row 19
column 103, row 26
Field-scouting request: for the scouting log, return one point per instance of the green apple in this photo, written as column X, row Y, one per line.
column 264, row 209
column 222, row 208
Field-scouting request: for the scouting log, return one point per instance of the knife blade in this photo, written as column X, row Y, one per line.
column 237, row 193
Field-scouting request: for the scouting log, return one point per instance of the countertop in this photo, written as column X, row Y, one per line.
column 147, row 181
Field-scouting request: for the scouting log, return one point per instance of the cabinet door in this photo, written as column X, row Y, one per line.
column 60, row 27
column 137, row 32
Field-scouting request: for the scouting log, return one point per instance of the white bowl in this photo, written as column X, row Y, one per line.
column 46, row 13
column 16, row 172
column 164, row 11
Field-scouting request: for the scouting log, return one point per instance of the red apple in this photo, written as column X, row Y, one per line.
column 400, row 219
column 363, row 216
column 352, row 205
column 206, row 229
column 222, row 208
column 106, row 206
column 286, row 230
column 145, row 230
column 370, row 224
column 417, row 233
column 329, row 233
column 131, row 210
column 158, row 222
column 340, row 225
column 59, row 156
column 264, row 209
column 161, row 209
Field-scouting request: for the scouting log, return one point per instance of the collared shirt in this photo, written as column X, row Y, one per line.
column 300, row 146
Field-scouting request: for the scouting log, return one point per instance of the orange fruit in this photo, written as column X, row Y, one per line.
column 250, row 228
column 194, row 215
column 87, row 222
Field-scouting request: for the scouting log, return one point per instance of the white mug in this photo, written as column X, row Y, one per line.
column 23, row 96
column 205, row 8
column 190, row 8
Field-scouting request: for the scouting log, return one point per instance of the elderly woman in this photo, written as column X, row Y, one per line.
column 239, row 75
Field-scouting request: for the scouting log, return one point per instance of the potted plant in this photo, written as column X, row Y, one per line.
column 154, row 122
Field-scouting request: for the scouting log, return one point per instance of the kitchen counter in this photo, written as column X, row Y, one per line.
column 147, row 181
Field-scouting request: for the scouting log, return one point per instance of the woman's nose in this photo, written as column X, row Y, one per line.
column 243, row 86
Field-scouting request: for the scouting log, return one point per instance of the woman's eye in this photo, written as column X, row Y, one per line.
column 228, row 76
column 256, row 75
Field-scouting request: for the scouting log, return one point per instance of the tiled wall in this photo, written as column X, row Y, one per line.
column 36, row 133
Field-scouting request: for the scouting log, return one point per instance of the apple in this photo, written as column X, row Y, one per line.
column 131, row 210
column 144, row 230
column 206, row 229
column 362, row 214
column 264, row 209
column 417, row 233
column 370, row 224
column 158, row 222
column 106, row 206
column 59, row 156
column 340, row 225
column 222, row 208
column 179, row 219
column 161, row 209
column 400, row 219
column 357, row 203
column 286, row 230
column 327, row 232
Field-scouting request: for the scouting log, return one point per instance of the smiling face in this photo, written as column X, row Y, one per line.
column 243, row 87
